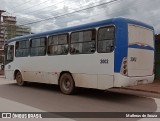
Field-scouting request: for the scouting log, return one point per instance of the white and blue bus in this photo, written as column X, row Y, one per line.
column 117, row 52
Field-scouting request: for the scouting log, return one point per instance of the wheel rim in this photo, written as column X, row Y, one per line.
column 66, row 84
column 19, row 79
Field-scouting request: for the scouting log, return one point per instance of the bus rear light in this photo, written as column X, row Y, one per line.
column 125, row 62
column 125, row 66
column 124, row 69
column 125, row 72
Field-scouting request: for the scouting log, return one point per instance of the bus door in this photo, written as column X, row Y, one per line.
column 105, row 48
column 9, row 56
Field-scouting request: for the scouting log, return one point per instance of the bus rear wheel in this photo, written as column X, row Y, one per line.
column 19, row 79
column 67, row 84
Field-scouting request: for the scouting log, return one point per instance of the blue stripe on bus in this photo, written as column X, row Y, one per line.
column 141, row 47
column 121, row 44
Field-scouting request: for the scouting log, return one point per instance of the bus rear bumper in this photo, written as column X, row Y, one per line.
column 124, row 81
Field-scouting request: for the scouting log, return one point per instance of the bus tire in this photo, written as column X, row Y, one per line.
column 19, row 79
column 67, row 84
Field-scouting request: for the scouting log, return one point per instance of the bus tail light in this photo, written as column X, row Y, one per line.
column 124, row 68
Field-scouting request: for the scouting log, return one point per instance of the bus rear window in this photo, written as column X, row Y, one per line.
column 139, row 35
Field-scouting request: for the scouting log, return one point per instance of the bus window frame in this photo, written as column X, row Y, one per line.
column 30, row 46
column 112, row 25
column 91, row 29
column 6, row 54
column 58, row 44
column 23, row 48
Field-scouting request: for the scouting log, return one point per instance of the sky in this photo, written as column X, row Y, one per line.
column 61, row 13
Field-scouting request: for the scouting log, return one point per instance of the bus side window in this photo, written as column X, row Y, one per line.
column 58, row 44
column 22, row 48
column 106, row 39
column 83, row 42
column 38, row 47
column 10, row 53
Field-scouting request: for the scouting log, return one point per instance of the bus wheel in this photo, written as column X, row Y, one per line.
column 67, row 84
column 19, row 79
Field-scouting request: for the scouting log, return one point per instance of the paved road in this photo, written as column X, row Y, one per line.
column 42, row 97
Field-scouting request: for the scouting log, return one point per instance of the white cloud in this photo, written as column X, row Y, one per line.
column 28, row 11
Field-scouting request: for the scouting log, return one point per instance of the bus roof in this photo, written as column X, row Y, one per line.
column 116, row 21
